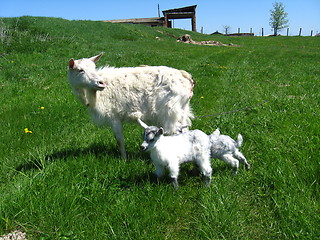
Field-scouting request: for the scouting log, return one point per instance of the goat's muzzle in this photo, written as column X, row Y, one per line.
column 143, row 148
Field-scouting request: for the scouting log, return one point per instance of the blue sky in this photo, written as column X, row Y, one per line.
column 212, row 15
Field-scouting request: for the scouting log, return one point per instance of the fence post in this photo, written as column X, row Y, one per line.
column 238, row 30
column 262, row 32
column 300, row 31
column 311, row 32
column 287, row 32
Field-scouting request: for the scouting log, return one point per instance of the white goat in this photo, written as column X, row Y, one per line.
column 227, row 149
column 171, row 151
column 159, row 95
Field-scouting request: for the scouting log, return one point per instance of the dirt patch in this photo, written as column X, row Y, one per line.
column 16, row 235
column 187, row 39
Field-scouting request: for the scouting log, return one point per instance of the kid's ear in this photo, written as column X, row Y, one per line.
column 71, row 63
column 96, row 58
column 142, row 124
column 160, row 132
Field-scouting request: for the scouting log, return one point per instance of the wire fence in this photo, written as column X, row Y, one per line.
column 264, row 32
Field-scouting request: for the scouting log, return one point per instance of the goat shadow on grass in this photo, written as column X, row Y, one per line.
column 187, row 173
column 100, row 150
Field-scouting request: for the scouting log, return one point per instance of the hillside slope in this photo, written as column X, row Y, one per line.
column 61, row 177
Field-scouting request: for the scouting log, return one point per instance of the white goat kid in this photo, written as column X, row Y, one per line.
column 171, row 151
column 159, row 95
column 227, row 149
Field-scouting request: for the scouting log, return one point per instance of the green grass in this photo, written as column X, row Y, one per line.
column 66, row 180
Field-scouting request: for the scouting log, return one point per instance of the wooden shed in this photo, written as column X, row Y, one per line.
column 181, row 13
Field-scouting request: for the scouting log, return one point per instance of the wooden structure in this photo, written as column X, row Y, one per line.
column 181, row 13
column 150, row 22
column 177, row 13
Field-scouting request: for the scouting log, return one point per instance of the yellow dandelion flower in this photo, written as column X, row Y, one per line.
column 41, row 108
column 26, row 130
column 202, row 97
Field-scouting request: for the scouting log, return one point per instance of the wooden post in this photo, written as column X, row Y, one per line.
column 250, row 30
column 311, row 33
column 300, row 31
column 238, row 30
column 287, row 32
column 165, row 24
column 193, row 23
column 202, row 30
column 262, row 32
column 158, row 10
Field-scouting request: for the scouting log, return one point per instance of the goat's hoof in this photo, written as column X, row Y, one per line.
column 175, row 184
column 207, row 182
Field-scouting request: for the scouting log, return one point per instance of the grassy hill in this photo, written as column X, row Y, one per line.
column 63, row 178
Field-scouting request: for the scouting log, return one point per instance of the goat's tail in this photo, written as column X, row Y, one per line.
column 240, row 140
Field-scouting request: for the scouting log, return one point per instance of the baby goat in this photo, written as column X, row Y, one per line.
column 227, row 149
column 171, row 151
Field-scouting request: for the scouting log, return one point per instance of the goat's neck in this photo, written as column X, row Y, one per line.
column 87, row 97
column 158, row 146
column 91, row 98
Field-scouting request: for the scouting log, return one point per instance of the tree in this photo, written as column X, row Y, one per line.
column 278, row 18
column 227, row 29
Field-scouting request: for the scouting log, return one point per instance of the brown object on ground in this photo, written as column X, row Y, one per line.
column 187, row 39
column 15, row 235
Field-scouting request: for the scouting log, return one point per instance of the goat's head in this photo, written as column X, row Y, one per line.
column 83, row 74
column 150, row 136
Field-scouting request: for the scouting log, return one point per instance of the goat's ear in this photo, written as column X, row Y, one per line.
column 96, row 58
column 216, row 132
column 142, row 123
column 160, row 132
column 71, row 63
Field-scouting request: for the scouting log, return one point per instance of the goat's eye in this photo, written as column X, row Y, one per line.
column 81, row 71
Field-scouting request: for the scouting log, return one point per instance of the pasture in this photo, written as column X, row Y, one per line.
column 61, row 177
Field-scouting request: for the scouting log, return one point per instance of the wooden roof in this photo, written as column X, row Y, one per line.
column 190, row 9
column 137, row 20
column 179, row 13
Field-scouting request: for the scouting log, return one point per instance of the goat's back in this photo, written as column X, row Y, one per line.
column 221, row 144
column 182, row 147
column 158, row 95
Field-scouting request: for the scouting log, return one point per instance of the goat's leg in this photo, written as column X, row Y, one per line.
column 175, row 183
column 228, row 158
column 159, row 171
column 118, row 133
column 174, row 173
column 242, row 158
column 206, row 170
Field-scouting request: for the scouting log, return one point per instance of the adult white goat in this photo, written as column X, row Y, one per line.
column 158, row 95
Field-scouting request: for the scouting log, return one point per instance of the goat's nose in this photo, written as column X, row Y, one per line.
column 143, row 148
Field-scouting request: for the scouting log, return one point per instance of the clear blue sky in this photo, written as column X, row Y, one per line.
column 212, row 15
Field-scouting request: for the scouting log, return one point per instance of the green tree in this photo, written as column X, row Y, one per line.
column 278, row 18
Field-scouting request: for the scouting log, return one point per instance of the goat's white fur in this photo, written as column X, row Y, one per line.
column 225, row 148
column 171, row 151
column 159, row 95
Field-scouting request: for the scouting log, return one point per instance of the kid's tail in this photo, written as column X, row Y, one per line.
column 240, row 140
column 216, row 132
